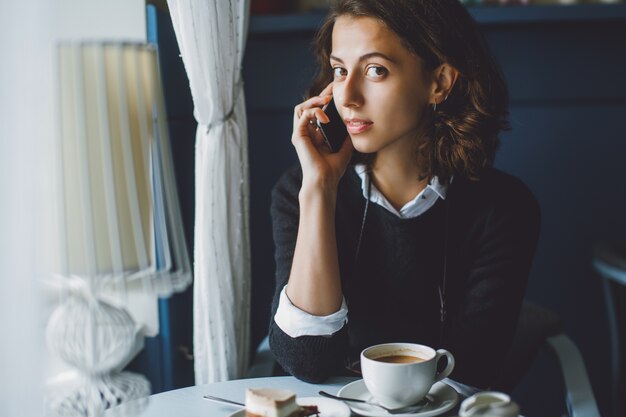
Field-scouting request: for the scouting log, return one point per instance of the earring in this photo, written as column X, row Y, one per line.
column 435, row 103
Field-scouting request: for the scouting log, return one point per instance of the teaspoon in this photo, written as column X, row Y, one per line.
column 411, row 408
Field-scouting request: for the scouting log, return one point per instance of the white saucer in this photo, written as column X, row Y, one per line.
column 445, row 398
column 326, row 406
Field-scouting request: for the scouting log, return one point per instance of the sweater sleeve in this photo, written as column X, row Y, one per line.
column 481, row 331
column 309, row 358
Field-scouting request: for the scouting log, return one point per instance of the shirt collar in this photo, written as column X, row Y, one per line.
column 422, row 202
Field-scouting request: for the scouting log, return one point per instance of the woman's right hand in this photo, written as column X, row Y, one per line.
column 320, row 167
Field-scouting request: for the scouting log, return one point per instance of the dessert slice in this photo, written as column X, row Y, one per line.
column 271, row 402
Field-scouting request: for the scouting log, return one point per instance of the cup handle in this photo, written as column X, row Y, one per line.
column 449, row 367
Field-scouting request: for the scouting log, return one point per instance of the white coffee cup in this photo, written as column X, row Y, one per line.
column 395, row 384
column 489, row 404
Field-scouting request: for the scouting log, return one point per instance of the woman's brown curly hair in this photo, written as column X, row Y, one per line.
column 461, row 135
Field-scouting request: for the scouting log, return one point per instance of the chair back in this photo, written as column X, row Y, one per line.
column 610, row 261
column 534, row 326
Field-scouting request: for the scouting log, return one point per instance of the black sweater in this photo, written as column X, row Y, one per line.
column 392, row 288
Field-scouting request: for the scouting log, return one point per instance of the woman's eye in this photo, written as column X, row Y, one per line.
column 339, row 72
column 376, row 72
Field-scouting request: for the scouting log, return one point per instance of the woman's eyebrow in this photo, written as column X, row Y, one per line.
column 367, row 56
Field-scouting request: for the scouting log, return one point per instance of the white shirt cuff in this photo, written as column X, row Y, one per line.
column 296, row 322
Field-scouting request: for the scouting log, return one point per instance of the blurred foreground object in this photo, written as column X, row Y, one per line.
column 118, row 220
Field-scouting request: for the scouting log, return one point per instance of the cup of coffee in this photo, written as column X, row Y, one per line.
column 401, row 374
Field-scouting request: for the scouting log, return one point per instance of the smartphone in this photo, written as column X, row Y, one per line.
column 334, row 131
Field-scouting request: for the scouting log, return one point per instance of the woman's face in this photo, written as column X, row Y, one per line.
column 379, row 86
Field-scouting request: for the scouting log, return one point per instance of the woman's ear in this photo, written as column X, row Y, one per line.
column 444, row 78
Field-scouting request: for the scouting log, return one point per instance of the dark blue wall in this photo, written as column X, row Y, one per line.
column 568, row 101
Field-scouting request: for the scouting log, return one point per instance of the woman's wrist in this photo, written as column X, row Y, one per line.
column 318, row 190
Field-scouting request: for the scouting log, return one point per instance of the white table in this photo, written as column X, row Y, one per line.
column 188, row 402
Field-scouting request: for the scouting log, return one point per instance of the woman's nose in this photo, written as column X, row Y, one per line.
column 349, row 92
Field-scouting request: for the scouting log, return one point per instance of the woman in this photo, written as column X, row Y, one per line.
column 407, row 233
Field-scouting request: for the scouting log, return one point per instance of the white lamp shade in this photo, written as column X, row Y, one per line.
column 119, row 217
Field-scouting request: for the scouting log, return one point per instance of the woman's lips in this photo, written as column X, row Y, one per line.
column 355, row 126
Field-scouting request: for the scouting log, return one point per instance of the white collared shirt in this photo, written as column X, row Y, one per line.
column 419, row 205
column 296, row 322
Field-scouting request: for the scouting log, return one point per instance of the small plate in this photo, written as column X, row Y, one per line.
column 326, row 406
column 445, row 398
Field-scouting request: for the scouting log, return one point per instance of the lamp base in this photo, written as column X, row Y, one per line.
column 96, row 338
column 94, row 395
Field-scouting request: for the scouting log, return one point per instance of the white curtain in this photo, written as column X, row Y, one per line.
column 211, row 36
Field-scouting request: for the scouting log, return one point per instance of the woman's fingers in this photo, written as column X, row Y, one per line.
column 311, row 145
column 306, row 138
column 306, row 125
column 328, row 90
column 310, row 116
column 315, row 101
